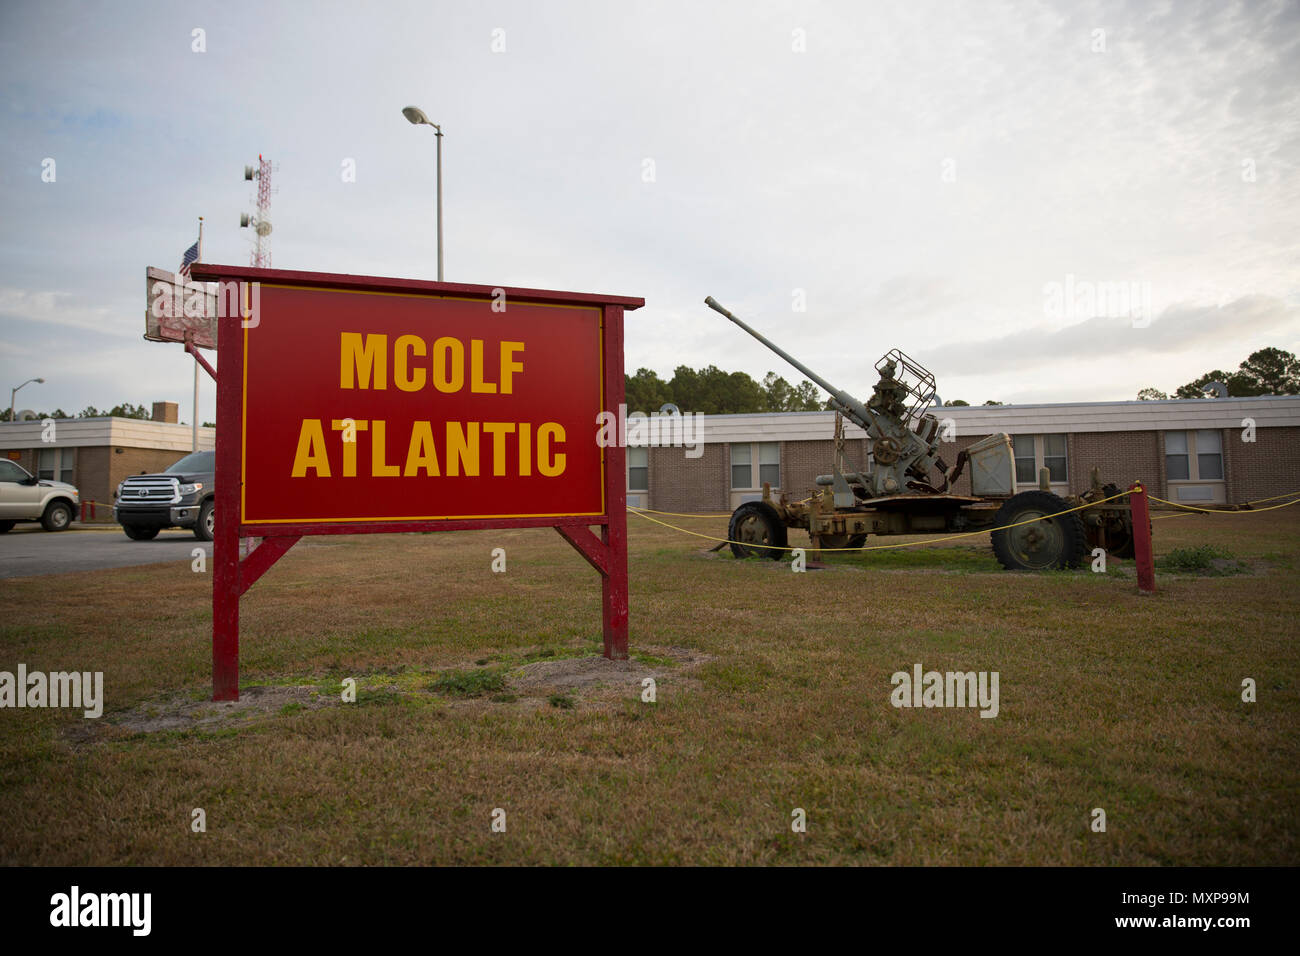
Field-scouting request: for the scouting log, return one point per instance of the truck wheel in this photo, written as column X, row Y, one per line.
column 206, row 526
column 140, row 532
column 755, row 523
column 1059, row 542
column 57, row 517
column 7, row 526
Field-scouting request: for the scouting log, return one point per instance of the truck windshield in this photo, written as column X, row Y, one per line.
column 200, row 461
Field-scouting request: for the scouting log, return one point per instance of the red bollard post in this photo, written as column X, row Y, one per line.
column 1142, row 553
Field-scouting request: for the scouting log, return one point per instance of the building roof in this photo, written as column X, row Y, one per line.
column 1267, row 411
column 107, row 431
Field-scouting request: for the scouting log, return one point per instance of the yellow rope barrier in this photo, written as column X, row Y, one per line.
column 1220, row 511
column 1256, row 501
column 886, row 547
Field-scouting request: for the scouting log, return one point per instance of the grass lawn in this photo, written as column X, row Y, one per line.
column 773, row 694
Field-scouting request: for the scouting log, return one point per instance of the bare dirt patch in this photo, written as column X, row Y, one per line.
column 603, row 679
column 183, row 712
column 586, row 680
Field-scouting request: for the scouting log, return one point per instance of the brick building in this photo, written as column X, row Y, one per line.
column 1191, row 450
column 96, row 454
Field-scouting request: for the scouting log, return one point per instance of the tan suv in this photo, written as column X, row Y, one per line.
column 24, row 498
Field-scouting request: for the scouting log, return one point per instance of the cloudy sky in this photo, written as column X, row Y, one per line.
column 974, row 183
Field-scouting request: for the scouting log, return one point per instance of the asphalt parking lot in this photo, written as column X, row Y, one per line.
column 28, row 550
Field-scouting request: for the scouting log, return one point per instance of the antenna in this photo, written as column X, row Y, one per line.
column 261, row 255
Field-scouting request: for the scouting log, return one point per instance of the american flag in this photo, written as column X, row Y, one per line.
column 191, row 254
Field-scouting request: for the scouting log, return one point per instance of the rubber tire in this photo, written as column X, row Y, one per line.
column 7, row 526
column 50, row 522
column 1073, row 537
column 205, row 526
column 140, row 532
column 772, row 526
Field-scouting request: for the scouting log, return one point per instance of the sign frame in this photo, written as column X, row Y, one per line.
column 177, row 325
column 605, row 549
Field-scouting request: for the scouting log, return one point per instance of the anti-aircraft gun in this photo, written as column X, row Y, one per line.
column 905, row 488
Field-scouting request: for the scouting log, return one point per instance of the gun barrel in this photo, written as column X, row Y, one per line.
column 861, row 415
column 714, row 304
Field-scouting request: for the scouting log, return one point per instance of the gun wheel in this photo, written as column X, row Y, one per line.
column 1053, row 543
column 756, row 531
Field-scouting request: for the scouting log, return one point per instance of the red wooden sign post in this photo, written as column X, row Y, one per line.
column 1143, row 554
column 358, row 404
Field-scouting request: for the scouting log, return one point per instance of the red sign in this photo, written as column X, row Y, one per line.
column 365, row 406
column 359, row 404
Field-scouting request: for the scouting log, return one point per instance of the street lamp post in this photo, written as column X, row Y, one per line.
column 417, row 117
column 14, row 391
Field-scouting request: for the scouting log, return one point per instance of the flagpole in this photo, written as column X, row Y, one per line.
column 194, row 433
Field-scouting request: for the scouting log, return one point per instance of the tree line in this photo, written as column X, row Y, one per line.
column 125, row 410
column 1269, row 371
column 712, row 391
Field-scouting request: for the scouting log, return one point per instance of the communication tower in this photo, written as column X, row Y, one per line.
column 261, row 255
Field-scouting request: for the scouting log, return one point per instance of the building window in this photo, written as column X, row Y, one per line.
column 767, row 455
column 1026, row 469
column 1033, row 452
column 741, row 470
column 1176, row 466
column 1194, row 456
column 638, row 469
column 1209, row 455
column 57, row 464
column 769, row 464
column 1054, row 456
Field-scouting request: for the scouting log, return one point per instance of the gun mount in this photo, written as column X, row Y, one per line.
column 894, row 494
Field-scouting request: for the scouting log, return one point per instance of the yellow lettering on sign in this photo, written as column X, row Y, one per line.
column 525, row 448
column 379, row 468
column 363, row 357
column 349, row 447
column 448, row 365
column 462, row 449
column 550, row 464
column 311, row 450
column 476, row 383
column 415, row 345
column 421, row 453
column 499, row 431
column 509, row 366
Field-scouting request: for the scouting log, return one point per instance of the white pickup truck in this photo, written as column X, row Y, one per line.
column 25, row 498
